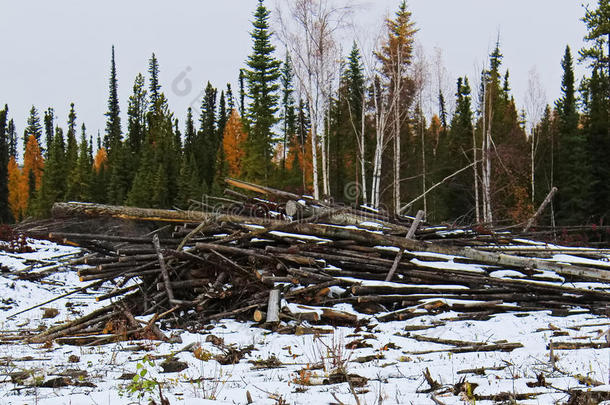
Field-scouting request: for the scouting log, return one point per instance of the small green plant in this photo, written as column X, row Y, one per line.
column 141, row 384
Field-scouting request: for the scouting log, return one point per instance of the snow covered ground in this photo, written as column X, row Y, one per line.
column 385, row 361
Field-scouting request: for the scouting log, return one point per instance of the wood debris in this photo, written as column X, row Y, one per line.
column 279, row 258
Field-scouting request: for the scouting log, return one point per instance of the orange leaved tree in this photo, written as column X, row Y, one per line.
column 17, row 190
column 233, row 143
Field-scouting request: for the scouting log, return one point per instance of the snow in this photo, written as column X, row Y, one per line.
column 395, row 372
column 449, row 266
column 580, row 260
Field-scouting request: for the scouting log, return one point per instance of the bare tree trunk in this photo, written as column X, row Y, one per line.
column 476, row 177
column 363, row 152
column 487, row 119
column 380, row 144
column 314, row 163
column 423, row 158
column 532, row 163
column 324, row 150
column 397, row 104
column 397, row 162
column 311, row 37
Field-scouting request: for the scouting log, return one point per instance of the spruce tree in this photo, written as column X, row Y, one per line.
column 54, row 179
column 71, row 152
column 222, row 116
column 120, row 174
column 207, row 138
column 442, row 110
column 136, row 117
column 572, row 175
column 80, row 180
column 177, row 137
column 190, row 136
column 242, row 94
column 456, row 153
column 71, row 143
column 262, row 75
column 597, row 103
column 5, row 211
column 49, row 124
column 230, row 100
column 595, row 129
column 113, row 119
column 189, row 186
column 155, row 87
column 33, row 127
column 156, row 181
column 12, row 138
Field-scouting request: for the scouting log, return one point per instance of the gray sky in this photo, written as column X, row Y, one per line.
column 57, row 52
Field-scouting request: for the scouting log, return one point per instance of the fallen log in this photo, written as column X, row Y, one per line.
column 77, row 209
column 474, row 254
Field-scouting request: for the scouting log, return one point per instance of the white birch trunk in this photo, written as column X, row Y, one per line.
column 533, row 172
column 476, row 177
column 363, row 152
column 487, row 163
column 379, row 147
column 397, row 157
column 423, row 158
column 314, row 158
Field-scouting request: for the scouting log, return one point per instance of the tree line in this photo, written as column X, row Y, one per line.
column 354, row 129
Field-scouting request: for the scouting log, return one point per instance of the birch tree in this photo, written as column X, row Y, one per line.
column 395, row 57
column 535, row 104
column 309, row 29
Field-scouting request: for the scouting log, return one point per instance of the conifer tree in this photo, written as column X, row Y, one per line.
column 222, row 116
column 5, row 211
column 136, row 113
column 598, row 35
column 230, row 100
column 120, row 173
column 190, row 136
column 177, row 137
column 572, row 167
column 54, row 184
column 113, row 119
column 11, row 132
column 262, row 75
column 33, row 127
column 457, row 153
column 99, row 178
column 596, row 97
column 442, row 110
column 220, row 165
column 207, row 138
column 71, row 151
column 595, row 129
column 80, row 179
column 242, row 94
column 156, row 181
column 49, row 125
column 155, row 87
column 189, row 186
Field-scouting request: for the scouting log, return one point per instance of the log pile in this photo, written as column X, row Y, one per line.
column 288, row 261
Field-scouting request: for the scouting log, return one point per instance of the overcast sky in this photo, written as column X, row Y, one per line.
column 57, row 52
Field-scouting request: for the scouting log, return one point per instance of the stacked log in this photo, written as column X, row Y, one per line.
column 297, row 259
